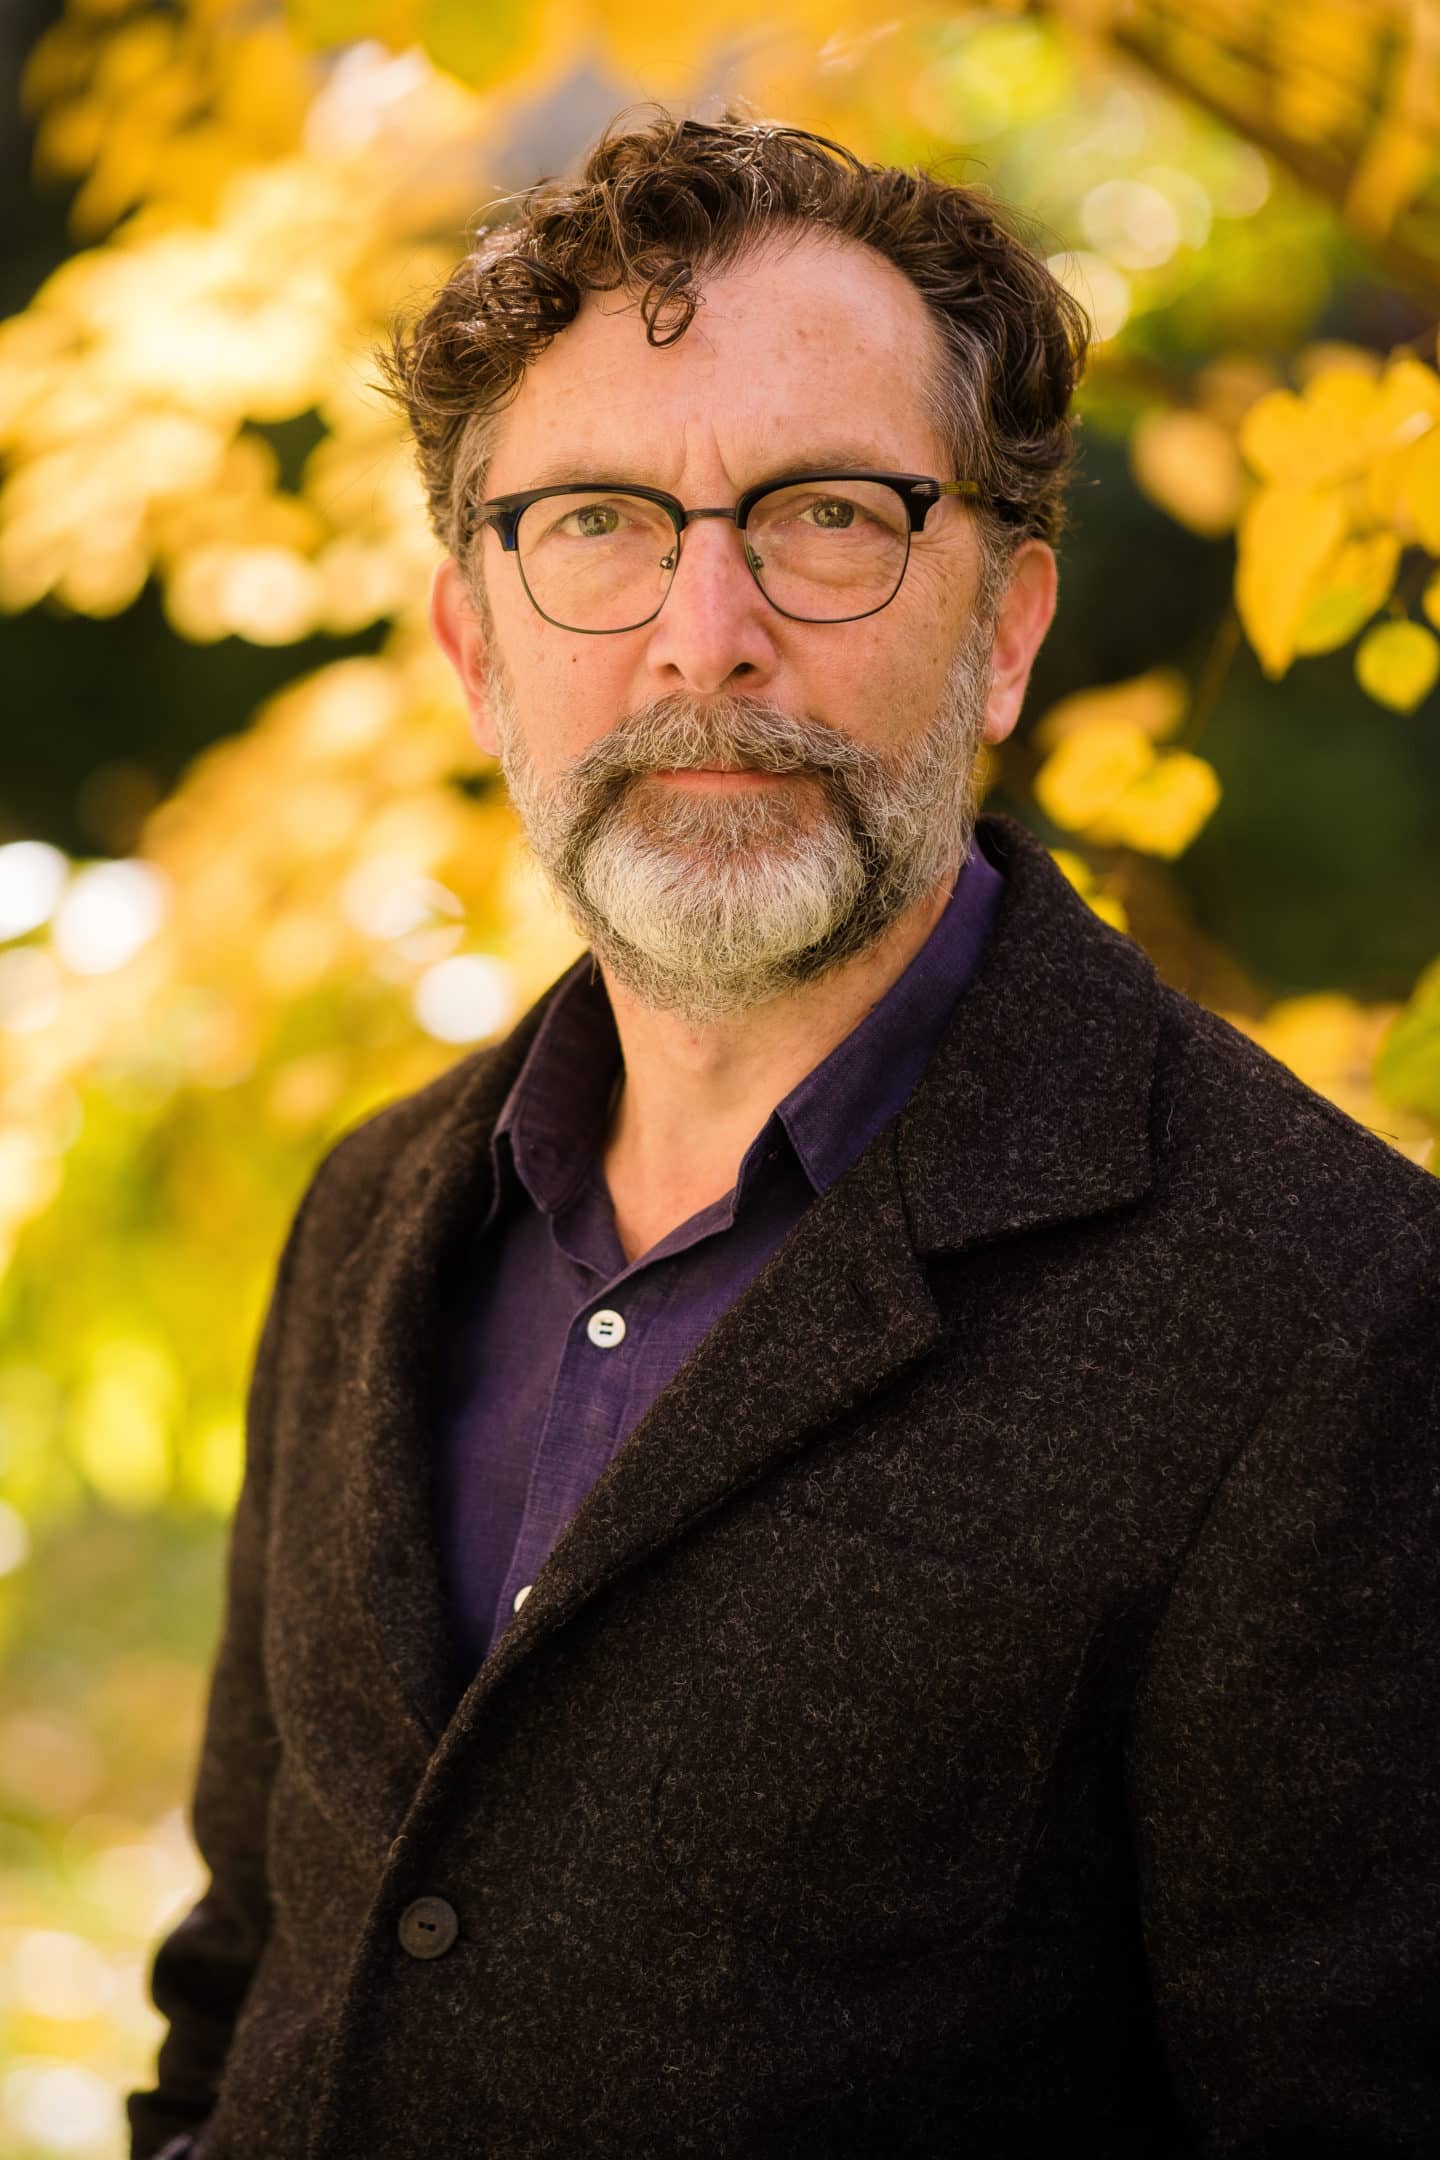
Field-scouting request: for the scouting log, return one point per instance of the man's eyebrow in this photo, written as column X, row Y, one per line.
column 601, row 472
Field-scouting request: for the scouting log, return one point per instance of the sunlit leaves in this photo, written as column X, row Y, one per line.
column 1354, row 1055
column 1090, row 770
column 1108, row 906
column 1397, row 662
column 136, row 375
column 1107, row 779
column 1162, row 809
column 1188, row 462
column 1287, row 536
column 161, row 108
column 133, row 389
column 1294, row 444
column 1358, row 579
column 1350, row 474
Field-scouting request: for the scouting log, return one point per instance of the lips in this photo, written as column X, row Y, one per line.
column 715, row 772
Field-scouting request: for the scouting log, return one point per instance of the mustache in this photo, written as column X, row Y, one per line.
column 678, row 733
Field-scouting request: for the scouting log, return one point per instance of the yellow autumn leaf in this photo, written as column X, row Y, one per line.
column 1407, row 402
column 1321, row 1036
column 1161, row 812
column 1422, row 489
column 1087, row 770
column 1154, row 702
column 1397, row 663
column 1313, row 441
column 1079, row 873
column 1357, row 582
column 1286, row 537
column 1345, row 399
column 1187, row 462
column 1382, row 491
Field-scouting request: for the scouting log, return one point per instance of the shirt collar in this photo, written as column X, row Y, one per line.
column 554, row 1118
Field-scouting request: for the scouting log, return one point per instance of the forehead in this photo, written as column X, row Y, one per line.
column 816, row 340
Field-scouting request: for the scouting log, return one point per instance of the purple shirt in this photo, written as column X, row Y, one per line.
column 557, row 1347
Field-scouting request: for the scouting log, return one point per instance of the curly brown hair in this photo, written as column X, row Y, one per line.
column 659, row 204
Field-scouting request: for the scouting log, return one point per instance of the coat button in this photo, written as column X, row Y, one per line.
column 428, row 1926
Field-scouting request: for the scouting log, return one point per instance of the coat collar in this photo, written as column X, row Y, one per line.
column 1036, row 1105
column 1033, row 1109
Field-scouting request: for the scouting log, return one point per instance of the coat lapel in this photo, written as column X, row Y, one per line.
column 389, row 1293
column 840, row 1309
column 1035, row 1108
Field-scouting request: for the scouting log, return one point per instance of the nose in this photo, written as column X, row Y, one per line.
column 716, row 624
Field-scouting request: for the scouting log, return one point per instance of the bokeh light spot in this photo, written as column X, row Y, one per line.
column 464, row 998
column 32, row 878
column 109, row 912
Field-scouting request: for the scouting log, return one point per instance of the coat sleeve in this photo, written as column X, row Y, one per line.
column 203, row 1967
column 1283, row 1764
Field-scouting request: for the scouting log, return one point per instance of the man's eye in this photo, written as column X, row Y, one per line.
column 831, row 514
column 597, row 521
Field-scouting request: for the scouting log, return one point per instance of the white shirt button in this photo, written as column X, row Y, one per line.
column 522, row 1594
column 605, row 1329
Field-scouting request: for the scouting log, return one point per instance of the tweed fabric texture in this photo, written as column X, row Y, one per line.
column 987, row 1705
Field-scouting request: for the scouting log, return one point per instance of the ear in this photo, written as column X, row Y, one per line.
column 1024, row 616
column 458, row 633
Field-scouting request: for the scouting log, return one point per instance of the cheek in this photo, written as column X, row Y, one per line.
column 934, row 600
column 568, row 693
column 892, row 661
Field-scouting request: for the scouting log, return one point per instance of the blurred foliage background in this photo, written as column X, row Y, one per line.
column 254, row 878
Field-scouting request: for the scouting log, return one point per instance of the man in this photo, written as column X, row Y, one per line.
column 838, row 1548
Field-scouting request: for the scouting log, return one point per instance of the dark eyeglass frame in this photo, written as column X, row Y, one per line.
column 919, row 492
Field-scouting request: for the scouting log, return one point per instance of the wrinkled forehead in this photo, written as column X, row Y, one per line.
column 803, row 346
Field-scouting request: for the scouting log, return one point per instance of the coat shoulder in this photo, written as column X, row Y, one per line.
column 453, row 1109
column 1272, row 1144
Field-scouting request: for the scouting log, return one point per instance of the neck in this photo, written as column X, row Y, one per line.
column 693, row 1098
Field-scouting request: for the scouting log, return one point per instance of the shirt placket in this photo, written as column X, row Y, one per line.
column 603, row 1342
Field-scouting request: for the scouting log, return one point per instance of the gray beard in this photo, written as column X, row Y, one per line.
column 709, row 903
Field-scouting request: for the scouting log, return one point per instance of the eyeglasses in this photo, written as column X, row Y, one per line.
column 821, row 546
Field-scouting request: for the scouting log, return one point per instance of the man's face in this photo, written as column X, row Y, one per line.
column 729, row 801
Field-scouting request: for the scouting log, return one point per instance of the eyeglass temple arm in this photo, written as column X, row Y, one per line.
column 926, row 493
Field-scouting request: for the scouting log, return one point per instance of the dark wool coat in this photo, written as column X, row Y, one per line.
column 987, row 1707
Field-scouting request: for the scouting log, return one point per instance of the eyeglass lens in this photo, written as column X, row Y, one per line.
column 600, row 559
